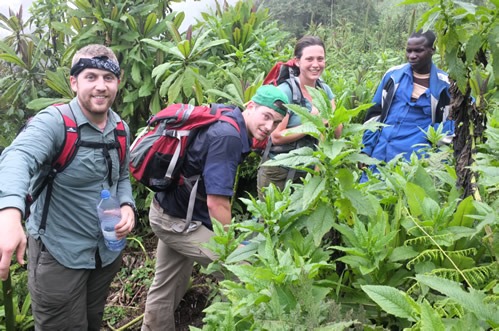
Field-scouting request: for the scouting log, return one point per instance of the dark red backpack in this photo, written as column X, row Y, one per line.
column 285, row 72
column 67, row 153
column 158, row 152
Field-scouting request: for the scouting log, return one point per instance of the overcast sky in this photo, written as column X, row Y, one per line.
column 192, row 8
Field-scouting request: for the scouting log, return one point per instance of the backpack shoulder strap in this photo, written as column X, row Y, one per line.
column 63, row 157
column 320, row 84
column 121, row 137
column 296, row 94
column 69, row 147
column 217, row 108
column 231, row 121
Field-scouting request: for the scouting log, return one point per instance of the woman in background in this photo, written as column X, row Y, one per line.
column 310, row 58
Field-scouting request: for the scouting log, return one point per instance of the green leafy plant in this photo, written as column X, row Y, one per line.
column 180, row 76
column 473, row 307
column 15, row 302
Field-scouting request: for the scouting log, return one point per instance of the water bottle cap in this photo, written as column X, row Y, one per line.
column 105, row 194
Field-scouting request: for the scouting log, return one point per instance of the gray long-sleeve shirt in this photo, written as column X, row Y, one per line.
column 72, row 232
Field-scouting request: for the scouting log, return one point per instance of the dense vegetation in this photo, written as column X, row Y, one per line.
column 416, row 248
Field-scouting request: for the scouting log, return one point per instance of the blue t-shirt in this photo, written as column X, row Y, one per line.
column 215, row 153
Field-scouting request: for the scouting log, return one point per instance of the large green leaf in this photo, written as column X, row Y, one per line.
column 165, row 47
column 59, row 82
column 402, row 253
column 188, row 81
column 150, row 22
column 462, row 216
column 312, row 190
column 301, row 156
column 415, row 196
column 146, row 89
column 306, row 128
column 14, row 59
column 12, row 92
column 185, row 48
column 332, row 148
column 172, row 28
column 321, row 102
column 174, row 90
column 136, row 72
column 473, row 300
column 320, row 221
column 393, row 301
column 431, row 209
column 159, row 71
column 306, row 116
column 423, row 179
column 42, row 103
column 241, row 253
column 364, row 205
column 473, row 46
column 165, row 86
column 430, row 319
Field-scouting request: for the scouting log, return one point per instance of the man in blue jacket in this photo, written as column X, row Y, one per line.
column 410, row 98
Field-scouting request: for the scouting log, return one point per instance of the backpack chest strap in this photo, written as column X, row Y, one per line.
column 105, row 150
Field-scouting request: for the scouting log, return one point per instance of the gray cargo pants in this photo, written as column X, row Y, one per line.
column 63, row 298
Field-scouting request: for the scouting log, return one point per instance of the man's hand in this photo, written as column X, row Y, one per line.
column 127, row 223
column 12, row 238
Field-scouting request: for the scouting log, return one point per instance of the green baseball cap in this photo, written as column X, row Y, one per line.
column 268, row 95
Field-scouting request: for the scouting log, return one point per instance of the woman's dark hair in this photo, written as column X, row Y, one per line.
column 428, row 35
column 307, row 41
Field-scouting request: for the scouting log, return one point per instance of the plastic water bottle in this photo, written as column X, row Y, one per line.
column 109, row 212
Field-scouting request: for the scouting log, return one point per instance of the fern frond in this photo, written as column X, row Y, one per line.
column 441, row 238
column 449, row 309
column 476, row 275
column 427, row 255
column 481, row 274
column 416, row 231
column 438, row 246
column 463, row 252
column 450, row 274
column 422, row 240
column 493, row 298
column 414, row 289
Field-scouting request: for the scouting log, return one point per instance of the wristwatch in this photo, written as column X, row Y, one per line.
column 135, row 211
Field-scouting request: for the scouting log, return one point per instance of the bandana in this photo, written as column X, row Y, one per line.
column 98, row 62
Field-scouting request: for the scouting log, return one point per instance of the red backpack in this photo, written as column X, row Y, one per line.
column 285, row 72
column 72, row 141
column 158, row 152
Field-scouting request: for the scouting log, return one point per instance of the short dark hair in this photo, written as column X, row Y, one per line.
column 428, row 35
column 307, row 41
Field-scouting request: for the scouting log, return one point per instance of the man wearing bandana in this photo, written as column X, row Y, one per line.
column 69, row 267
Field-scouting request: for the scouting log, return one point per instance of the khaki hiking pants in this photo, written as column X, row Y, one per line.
column 175, row 257
column 276, row 175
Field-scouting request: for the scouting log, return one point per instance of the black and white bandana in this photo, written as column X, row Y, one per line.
column 98, row 62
